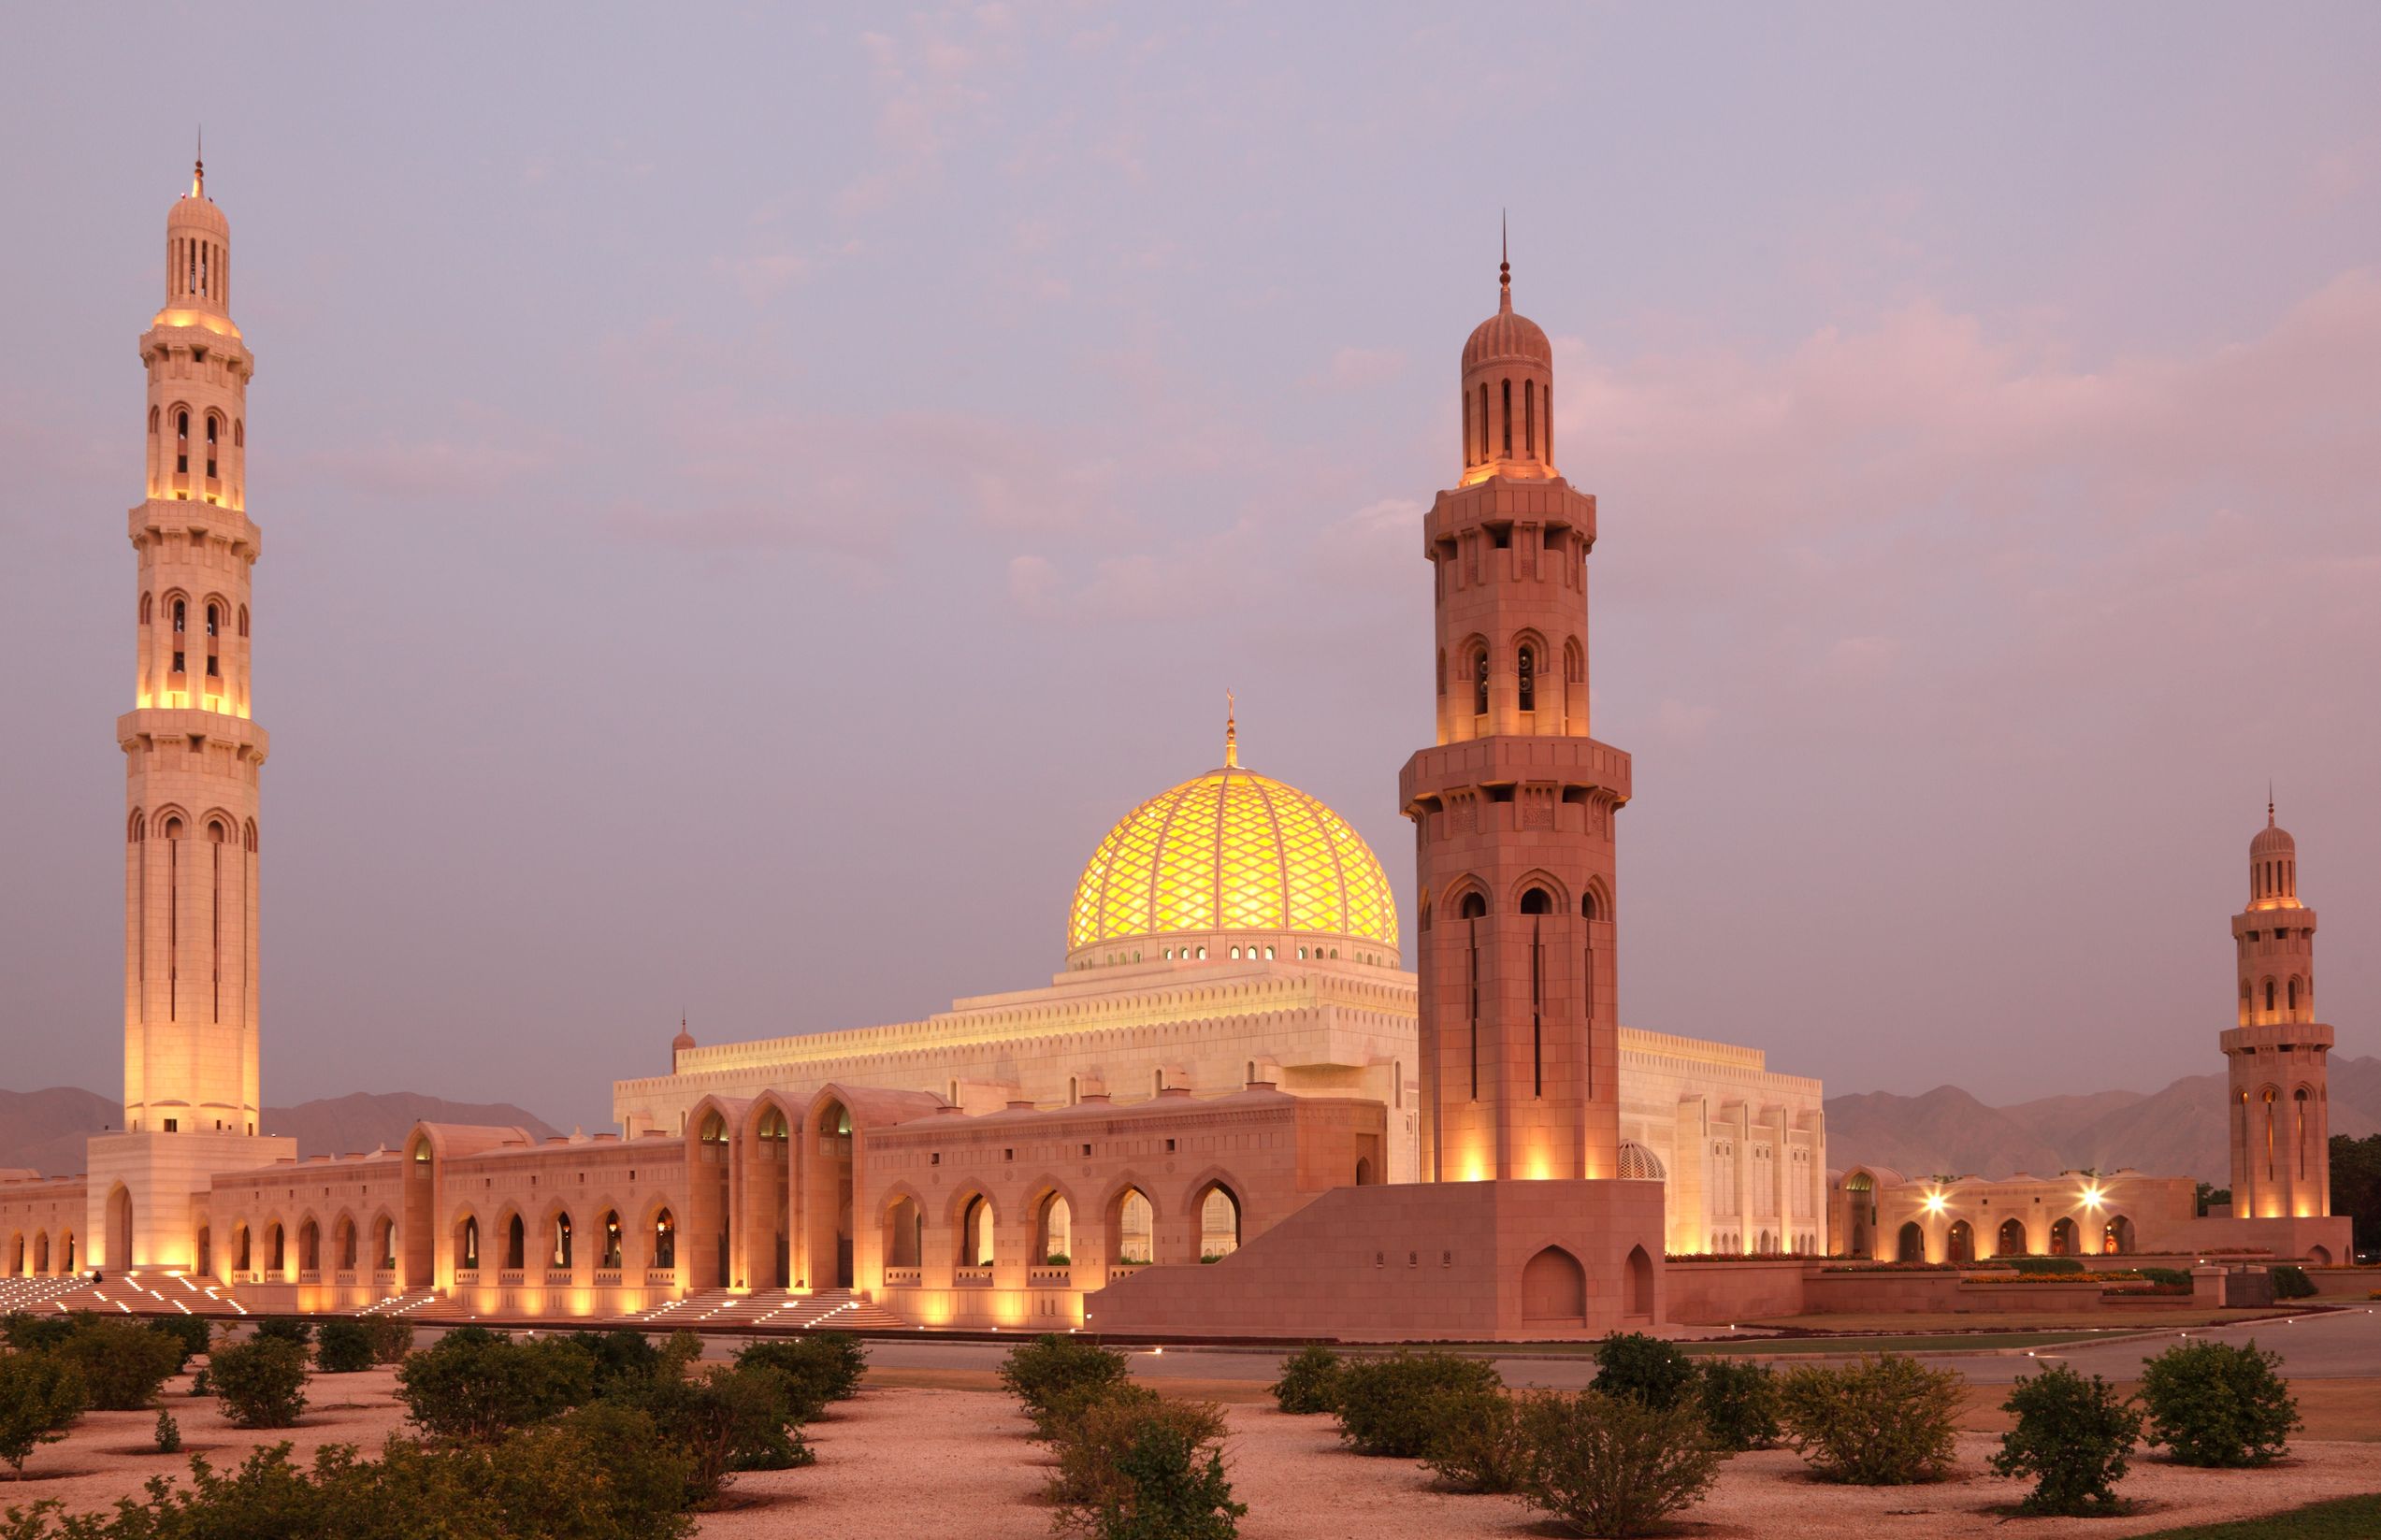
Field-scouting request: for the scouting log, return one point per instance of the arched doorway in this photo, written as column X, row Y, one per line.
column 662, row 1241
column 344, row 1244
column 516, row 1244
column 614, row 1254
column 466, row 1244
column 1910, row 1245
column 310, row 1247
column 769, row 1197
column 978, row 1232
column 2116, row 1236
column 277, row 1254
column 420, row 1225
column 119, row 1228
column 707, row 1186
column 2062, row 1238
column 1554, row 1287
column 2318, row 1256
column 1364, row 1170
column 1218, row 1222
column 1053, row 1228
column 563, row 1254
column 206, row 1252
column 384, row 1244
column 1861, row 1188
column 904, row 1233
column 827, row 1152
column 1638, row 1295
column 2012, row 1239
column 1959, row 1242
column 1133, row 1229
column 40, row 1252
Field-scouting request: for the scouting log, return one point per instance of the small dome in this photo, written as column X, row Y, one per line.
column 1231, row 850
column 1639, row 1164
column 1507, row 335
column 683, row 1041
column 2272, row 839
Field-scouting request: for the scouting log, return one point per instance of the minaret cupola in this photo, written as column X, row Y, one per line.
column 198, row 253
column 1508, row 393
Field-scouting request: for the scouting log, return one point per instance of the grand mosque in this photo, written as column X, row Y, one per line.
column 1232, row 1107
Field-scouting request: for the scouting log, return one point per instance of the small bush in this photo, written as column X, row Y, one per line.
column 200, row 1385
column 2170, row 1277
column 1612, row 1465
column 2291, row 1281
column 2047, row 1264
column 40, row 1397
column 343, row 1347
column 1059, row 1375
column 1391, row 1405
column 719, row 1422
column 2074, row 1436
column 1104, row 1427
column 1630, row 1363
column 1885, row 1421
column 391, row 1336
column 191, row 1332
column 825, row 1367
column 1479, row 1447
column 285, row 1329
column 1166, row 1491
column 1057, row 1259
column 477, row 1384
column 123, row 1363
column 168, row 1433
column 26, row 1332
column 2212, row 1404
column 262, row 1384
column 1310, row 1382
column 621, row 1357
column 1740, row 1403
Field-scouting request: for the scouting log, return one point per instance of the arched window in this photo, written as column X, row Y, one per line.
column 1528, row 665
column 977, row 1233
column 239, row 429
column 1136, row 1227
column 1473, row 907
column 1218, row 1223
column 144, row 609
column 346, row 1244
column 1478, row 670
column 561, row 1259
column 1055, row 1246
column 466, row 1245
column 182, row 615
column 1506, row 438
column 2294, row 992
column 1529, row 417
column 243, row 620
column 2269, row 994
column 1538, row 901
column 1483, row 421
column 1471, row 456
column 517, row 1243
column 664, row 1240
column 611, row 1239
column 181, row 443
column 213, row 424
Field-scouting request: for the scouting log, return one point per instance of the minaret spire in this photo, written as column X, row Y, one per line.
column 1504, row 264
column 1231, row 732
column 199, row 167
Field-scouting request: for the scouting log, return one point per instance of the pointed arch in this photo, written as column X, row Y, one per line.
column 1554, row 1287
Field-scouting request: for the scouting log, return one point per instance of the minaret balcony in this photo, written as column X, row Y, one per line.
column 152, row 723
column 147, row 522
column 1578, row 765
column 2277, row 1038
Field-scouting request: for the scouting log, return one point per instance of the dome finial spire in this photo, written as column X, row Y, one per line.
column 1503, row 262
column 1231, row 732
column 2269, row 801
column 199, row 167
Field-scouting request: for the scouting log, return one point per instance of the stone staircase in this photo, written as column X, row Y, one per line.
column 773, row 1309
column 129, row 1293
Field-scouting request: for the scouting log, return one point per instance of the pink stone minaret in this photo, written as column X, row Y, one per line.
column 2277, row 1055
column 1513, row 808
column 192, row 760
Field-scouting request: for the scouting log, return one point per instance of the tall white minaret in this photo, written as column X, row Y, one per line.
column 192, row 760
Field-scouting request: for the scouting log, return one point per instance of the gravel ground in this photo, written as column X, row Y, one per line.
column 919, row 1463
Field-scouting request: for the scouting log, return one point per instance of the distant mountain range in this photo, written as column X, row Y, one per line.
column 2178, row 1132
column 44, row 1131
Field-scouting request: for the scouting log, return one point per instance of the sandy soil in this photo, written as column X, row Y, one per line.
column 907, row 1463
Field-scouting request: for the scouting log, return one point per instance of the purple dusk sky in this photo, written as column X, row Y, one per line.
column 750, row 497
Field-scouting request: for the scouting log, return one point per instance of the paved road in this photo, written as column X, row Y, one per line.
column 2346, row 1346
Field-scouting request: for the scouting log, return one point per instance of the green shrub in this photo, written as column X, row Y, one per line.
column 343, row 1347
column 1093, row 1443
column 825, row 1366
column 262, row 1384
column 26, row 1332
column 2171, row 1278
column 477, row 1384
column 2047, row 1264
column 1391, row 1405
column 1885, row 1421
column 40, row 1397
column 2212, row 1404
column 1740, row 1403
column 391, row 1336
column 1058, row 1374
column 123, row 1363
column 1166, row 1491
column 2074, row 1436
column 2291, row 1281
column 1612, row 1465
column 191, row 1332
column 1057, row 1259
column 719, row 1422
column 285, row 1329
column 1630, row 1363
column 1310, row 1382
column 621, row 1357
column 168, row 1433
column 200, row 1385
column 1478, row 1447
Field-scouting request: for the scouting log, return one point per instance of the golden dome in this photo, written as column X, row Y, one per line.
column 1225, row 852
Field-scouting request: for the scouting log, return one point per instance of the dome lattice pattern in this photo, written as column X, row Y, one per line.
column 1639, row 1164
column 1231, row 850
